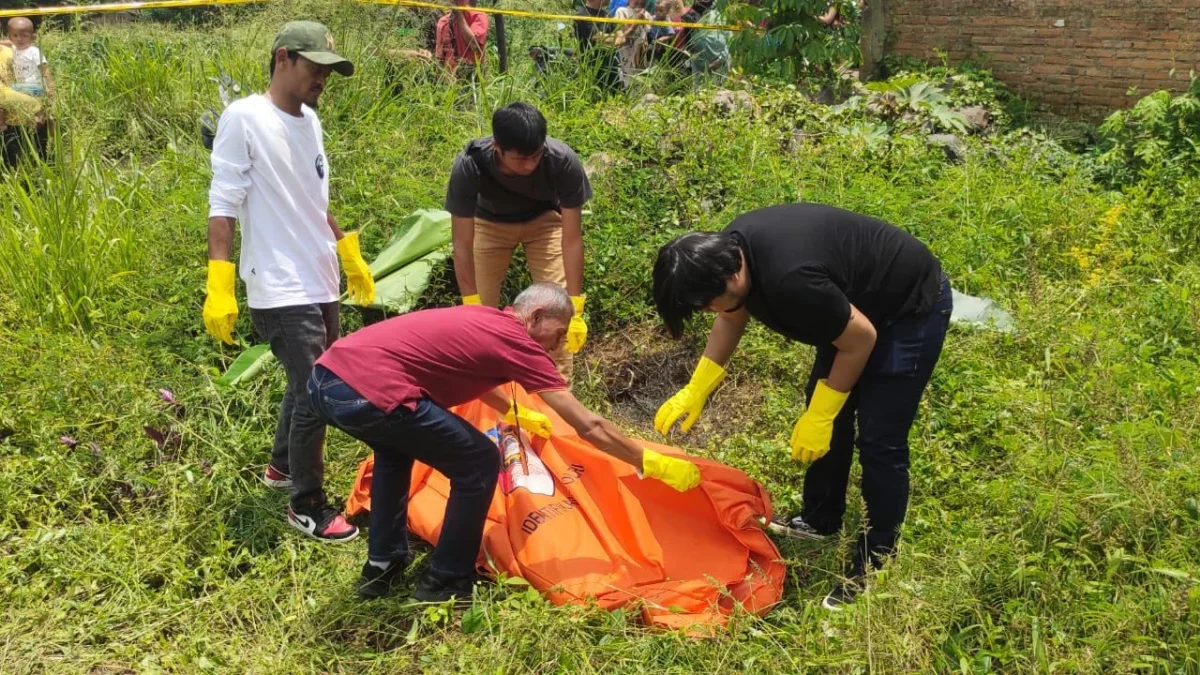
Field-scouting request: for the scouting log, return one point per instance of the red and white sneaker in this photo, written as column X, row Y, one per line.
column 276, row 478
column 322, row 522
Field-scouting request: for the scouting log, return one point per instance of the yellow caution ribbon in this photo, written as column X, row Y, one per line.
column 560, row 17
column 119, row 7
column 170, row 4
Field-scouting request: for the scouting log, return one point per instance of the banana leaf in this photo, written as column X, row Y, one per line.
column 398, row 292
column 402, row 271
column 247, row 365
column 403, row 268
column 417, row 234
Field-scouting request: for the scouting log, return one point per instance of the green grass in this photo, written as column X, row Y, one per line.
column 1054, row 523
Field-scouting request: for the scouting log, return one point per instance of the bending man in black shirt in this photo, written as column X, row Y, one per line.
column 875, row 303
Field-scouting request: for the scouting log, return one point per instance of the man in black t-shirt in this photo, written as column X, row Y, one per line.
column 875, row 303
column 597, row 44
column 519, row 187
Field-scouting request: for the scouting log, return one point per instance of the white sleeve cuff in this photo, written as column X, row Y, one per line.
column 215, row 212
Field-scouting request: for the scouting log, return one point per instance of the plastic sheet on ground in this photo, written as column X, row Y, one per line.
column 982, row 313
column 579, row 525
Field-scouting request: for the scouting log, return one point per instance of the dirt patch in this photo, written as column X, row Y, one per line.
column 640, row 368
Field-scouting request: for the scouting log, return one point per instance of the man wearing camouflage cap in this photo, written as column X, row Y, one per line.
column 271, row 175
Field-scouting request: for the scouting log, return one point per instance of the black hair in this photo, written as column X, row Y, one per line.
column 292, row 56
column 690, row 272
column 519, row 126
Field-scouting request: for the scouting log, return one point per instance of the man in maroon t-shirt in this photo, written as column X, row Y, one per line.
column 390, row 385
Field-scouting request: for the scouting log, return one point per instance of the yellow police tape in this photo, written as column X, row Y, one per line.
column 119, row 7
column 168, row 4
column 561, row 17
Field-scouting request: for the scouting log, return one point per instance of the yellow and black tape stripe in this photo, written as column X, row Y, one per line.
column 118, row 7
column 172, row 4
column 560, row 17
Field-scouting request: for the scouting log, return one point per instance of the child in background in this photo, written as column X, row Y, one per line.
column 665, row 10
column 16, row 108
column 667, row 43
column 32, row 69
column 633, row 40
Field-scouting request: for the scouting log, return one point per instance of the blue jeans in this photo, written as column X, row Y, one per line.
column 429, row 434
column 30, row 90
column 885, row 401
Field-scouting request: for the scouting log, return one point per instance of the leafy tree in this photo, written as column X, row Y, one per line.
column 795, row 38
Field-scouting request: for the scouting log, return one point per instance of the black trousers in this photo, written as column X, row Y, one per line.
column 298, row 335
column 884, row 403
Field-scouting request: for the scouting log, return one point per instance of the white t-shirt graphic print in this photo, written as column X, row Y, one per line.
column 270, row 172
column 27, row 66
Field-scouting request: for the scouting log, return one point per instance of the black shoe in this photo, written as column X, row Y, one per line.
column 795, row 528
column 843, row 594
column 435, row 589
column 377, row 583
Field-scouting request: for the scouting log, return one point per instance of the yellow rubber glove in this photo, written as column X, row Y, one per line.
column 220, row 307
column 577, row 330
column 530, row 421
column 690, row 399
column 360, row 285
column 678, row 473
column 814, row 429
column 471, row 299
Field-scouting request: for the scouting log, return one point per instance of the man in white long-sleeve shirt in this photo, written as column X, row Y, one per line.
column 271, row 175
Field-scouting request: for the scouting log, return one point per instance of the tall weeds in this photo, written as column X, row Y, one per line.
column 68, row 235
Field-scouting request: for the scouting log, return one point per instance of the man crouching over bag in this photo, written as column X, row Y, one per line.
column 391, row 385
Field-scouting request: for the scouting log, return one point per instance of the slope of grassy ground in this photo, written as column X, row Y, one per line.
column 1054, row 523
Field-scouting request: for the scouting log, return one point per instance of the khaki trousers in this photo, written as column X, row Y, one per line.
column 542, row 240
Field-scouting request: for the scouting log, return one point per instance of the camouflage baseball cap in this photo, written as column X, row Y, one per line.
column 314, row 42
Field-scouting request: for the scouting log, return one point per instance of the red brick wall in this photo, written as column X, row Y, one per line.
column 1076, row 57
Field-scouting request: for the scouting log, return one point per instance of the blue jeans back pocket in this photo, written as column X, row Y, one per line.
column 347, row 408
column 898, row 352
column 353, row 413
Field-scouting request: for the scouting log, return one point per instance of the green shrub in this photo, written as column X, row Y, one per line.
column 795, row 43
column 1156, row 141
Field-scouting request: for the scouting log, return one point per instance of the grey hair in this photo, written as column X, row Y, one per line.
column 552, row 299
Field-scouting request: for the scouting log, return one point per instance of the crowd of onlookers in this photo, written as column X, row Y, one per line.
column 702, row 51
column 617, row 52
column 456, row 40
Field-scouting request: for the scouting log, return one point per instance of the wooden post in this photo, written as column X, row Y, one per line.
column 874, row 32
column 502, row 43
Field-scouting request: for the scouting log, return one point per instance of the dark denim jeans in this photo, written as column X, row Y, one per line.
column 432, row 435
column 298, row 335
column 885, row 401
